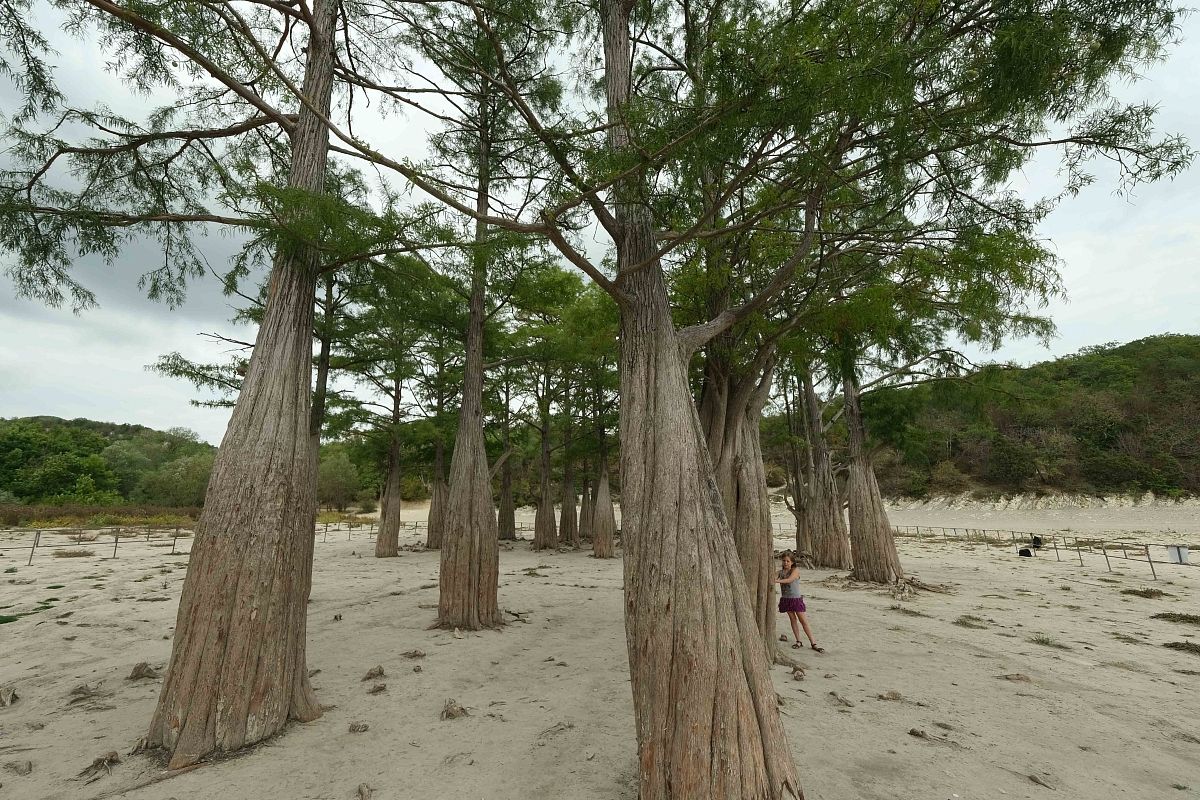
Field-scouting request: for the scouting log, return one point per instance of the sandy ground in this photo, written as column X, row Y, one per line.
column 549, row 707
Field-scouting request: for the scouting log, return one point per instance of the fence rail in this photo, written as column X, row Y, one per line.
column 1141, row 552
column 122, row 537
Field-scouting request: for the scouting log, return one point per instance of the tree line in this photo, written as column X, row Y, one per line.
column 813, row 198
column 53, row 461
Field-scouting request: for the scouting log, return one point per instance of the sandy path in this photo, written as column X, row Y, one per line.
column 550, row 713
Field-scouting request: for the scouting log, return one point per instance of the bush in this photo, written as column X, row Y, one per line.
column 366, row 502
column 412, row 487
column 945, row 478
column 776, row 476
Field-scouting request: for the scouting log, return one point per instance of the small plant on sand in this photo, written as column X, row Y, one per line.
column 55, row 586
column 907, row 611
column 1149, row 594
column 74, row 553
column 1047, row 641
column 971, row 621
column 1187, row 647
column 1127, row 639
column 6, row 618
column 1175, row 616
column 10, row 569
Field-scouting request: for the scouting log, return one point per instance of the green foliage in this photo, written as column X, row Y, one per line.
column 181, row 482
column 338, row 481
column 1114, row 418
column 49, row 460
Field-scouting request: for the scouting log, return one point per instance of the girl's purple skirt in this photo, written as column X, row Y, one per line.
column 787, row 604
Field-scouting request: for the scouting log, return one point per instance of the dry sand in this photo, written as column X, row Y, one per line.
column 548, row 700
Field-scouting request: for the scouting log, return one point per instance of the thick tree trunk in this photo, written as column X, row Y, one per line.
column 730, row 413
column 387, row 543
column 237, row 672
column 568, row 529
column 604, row 519
column 751, row 521
column 585, row 507
column 470, row 568
column 824, row 519
column 436, row 523
column 871, row 537
column 706, row 713
column 507, row 521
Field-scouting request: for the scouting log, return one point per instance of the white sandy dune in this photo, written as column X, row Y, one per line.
column 549, row 707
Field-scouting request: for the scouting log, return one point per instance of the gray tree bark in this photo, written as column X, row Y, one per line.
column 387, row 543
column 706, row 714
column 507, row 519
column 829, row 537
column 730, row 414
column 237, row 672
column 871, row 537
column 568, row 529
column 470, row 565
column 436, row 522
column 545, row 531
column 585, row 507
column 604, row 519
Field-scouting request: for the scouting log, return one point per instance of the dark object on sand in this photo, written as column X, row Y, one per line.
column 1025, row 552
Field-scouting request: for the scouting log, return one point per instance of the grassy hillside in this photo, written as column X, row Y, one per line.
column 1113, row 418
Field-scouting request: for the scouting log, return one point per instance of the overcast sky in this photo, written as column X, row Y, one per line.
column 1129, row 264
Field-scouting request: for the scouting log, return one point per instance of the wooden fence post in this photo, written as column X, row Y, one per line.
column 1150, row 561
column 37, row 537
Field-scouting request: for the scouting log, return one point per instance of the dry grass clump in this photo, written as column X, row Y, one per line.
column 74, row 553
column 1187, row 647
column 1149, row 594
column 971, row 621
column 911, row 612
column 1175, row 616
column 1047, row 641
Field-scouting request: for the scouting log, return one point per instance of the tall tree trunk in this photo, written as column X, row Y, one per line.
column 325, row 339
column 731, row 411
column 706, row 714
column 823, row 507
column 470, row 567
column 871, row 536
column 436, row 523
column 545, row 534
column 797, row 476
column 387, row 543
column 585, row 507
column 507, row 521
column 568, row 529
column 237, row 672
column 604, row 518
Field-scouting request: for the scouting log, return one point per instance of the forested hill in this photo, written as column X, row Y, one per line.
column 1113, row 418
column 52, row 460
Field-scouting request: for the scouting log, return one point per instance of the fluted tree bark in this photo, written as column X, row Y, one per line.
column 872, row 539
column 237, row 671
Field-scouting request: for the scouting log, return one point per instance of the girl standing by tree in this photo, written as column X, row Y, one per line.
column 791, row 602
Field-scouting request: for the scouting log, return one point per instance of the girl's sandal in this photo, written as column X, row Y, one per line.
column 797, row 646
column 818, row 649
